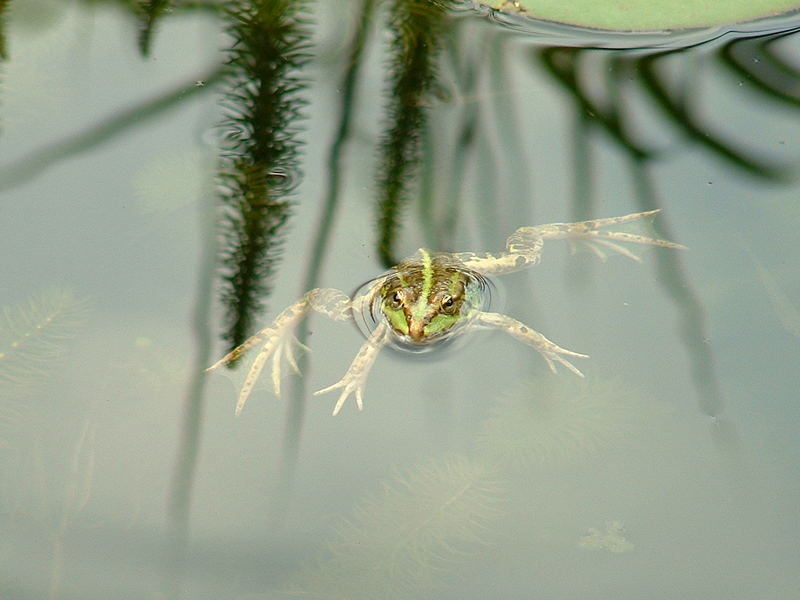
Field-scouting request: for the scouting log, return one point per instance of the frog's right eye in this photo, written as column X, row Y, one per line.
column 395, row 301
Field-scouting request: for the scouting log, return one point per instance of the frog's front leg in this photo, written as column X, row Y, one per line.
column 279, row 341
column 550, row 352
column 355, row 379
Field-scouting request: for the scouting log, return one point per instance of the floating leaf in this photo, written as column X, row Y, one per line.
column 642, row 15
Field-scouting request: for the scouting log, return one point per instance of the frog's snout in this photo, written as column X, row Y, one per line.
column 416, row 330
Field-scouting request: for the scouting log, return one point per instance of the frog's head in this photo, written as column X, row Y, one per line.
column 423, row 300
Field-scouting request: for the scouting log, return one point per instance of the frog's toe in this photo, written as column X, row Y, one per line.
column 568, row 364
column 350, row 386
column 289, row 349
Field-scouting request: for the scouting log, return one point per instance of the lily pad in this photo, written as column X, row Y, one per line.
column 646, row 15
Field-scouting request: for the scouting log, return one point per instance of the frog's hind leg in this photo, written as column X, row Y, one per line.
column 594, row 233
column 524, row 246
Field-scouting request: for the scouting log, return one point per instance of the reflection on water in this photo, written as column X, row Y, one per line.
column 343, row 142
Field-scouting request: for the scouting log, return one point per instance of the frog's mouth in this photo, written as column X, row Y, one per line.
column 425, row 336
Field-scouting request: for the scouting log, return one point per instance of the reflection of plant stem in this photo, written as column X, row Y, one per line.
column 678, row 110
column 576, row 273
column 426, row 187
column 294, row 420
column 694, row 332
column 152, row 11
column 509, row 152
column 418, row 26
column 28, row 167
column 464, row 144
column 563, row 63
column 194, row 403
column 754, row 59
column 4, row 4
column 693, row 326
column 582, row 196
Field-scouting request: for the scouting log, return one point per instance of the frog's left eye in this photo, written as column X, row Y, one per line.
column 447, row 303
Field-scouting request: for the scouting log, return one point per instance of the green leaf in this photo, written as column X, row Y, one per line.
column 644, row 15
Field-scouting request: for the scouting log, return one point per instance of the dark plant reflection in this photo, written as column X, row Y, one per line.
column 419, row 28
column 673, row 95
column 760, row 62
column 678, row 106
column 329, row 209
column 152, row 11
column 259, row 155
column 4, row 4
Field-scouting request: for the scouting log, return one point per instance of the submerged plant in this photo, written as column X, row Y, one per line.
column 33, row 338
column 403, row 539
column 559, row 420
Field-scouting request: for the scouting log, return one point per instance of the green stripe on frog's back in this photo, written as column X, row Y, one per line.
column 421, row 305
column 455, row 279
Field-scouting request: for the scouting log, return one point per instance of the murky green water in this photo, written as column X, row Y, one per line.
column 669, row 472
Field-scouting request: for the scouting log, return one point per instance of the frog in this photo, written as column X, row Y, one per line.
column 426, row 301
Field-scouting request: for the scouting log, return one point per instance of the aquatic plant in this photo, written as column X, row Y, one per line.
column 403, row 539
column 559, row 420
column 33, row 337
column 258, row 164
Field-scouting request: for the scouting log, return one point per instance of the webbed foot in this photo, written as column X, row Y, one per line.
column 552, row 353
column 355, row 380
column 279, row 342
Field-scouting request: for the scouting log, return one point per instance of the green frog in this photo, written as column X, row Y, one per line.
column 426, row 300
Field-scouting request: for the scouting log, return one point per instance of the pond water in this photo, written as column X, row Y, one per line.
column 670, row 471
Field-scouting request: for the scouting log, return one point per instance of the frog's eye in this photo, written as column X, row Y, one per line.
column 395, row 301
column 447, row 303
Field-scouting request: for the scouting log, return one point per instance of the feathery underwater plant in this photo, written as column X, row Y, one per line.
column 403, row 539
column 33, row 337
column 559, row 420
